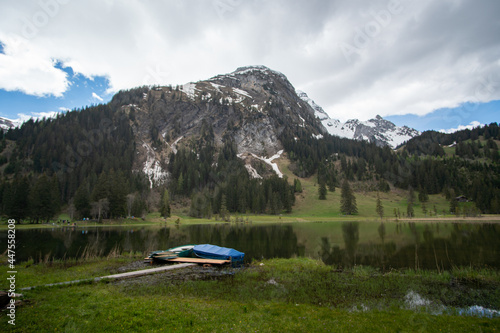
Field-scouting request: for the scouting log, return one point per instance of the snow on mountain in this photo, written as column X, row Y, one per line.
column 6, row 124
column 378, row 130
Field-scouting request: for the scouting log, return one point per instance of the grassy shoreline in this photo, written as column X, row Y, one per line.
column 254, row 219
column 276, row 295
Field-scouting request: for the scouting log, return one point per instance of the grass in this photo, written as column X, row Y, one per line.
column 279, row 295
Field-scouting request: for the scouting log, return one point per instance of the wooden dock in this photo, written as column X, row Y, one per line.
column 143, row 272
column 118, row 276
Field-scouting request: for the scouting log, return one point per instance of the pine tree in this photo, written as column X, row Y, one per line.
column 138, row 206
column 347, row 199
column 409, row 209
column 117, row 195
column 224, row 213
column 297, row 185
column 424, row 208
column 453, row 205
column 423, row 196
column 379, row 208
column 411, row 195
column 82, row 201
column 165, row 204
column 322, row 190
column 180, row 184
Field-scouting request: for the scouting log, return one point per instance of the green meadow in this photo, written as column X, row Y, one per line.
column 279, row 295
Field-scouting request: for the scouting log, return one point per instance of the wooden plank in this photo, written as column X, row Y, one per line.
column 200, row 261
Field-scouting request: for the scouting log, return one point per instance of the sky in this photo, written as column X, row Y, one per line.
column 426, row 64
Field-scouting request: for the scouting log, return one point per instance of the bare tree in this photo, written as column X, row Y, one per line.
column 130, row 203
column 100, row 208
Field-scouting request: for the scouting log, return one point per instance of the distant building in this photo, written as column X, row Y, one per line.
column 462, row 198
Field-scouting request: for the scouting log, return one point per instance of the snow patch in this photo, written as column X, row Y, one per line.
column 189, row 89
column 152, row 167
column 252, row 172
column 270, row 160
column 216, row 86
column 174, row 145
column 242, row 92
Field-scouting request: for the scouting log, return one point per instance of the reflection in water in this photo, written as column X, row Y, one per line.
column 386, row 245
column 350, row 233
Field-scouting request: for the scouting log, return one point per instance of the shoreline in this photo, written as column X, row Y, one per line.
column 491, row 219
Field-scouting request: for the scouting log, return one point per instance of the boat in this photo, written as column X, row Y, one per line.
column 202, row 254
column 183, row 251
column 208, row 251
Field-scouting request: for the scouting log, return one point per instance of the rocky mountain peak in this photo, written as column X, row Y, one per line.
column 378, row 130
column 251, row 106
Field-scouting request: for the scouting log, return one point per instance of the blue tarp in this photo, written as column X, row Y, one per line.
column 216, row 252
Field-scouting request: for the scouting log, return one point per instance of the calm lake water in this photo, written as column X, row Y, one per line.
column 383, row 245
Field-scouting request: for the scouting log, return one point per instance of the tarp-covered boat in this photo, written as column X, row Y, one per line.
column 175, row 252
column 204, row 253
column 208, row 251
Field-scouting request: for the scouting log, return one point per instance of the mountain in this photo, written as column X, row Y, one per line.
column 378, row 130
column 252, row 106
column 5, row 124
column 215, row 145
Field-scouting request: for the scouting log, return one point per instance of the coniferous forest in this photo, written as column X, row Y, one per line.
column 83, row 162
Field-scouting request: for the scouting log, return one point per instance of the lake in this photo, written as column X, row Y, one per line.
column 344, row 244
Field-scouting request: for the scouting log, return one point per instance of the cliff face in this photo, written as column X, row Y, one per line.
column 251, row 106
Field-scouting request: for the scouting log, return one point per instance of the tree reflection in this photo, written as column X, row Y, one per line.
column 350, row 233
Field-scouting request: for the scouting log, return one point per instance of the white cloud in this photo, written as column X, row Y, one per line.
column 415, row 57
column 472, row 125
column 95, row 96
column 24, row 67
column 35, row 115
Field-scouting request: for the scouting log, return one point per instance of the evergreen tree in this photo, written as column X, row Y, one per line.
column 117, row 195
column 224, row 213
column 347, row 199
column 138, row 206
column 423, row 196
column 102, row 188
column 15, row 199
column 322, row 191
column 379, row 208
column 180, row 184
column 44, row 199
column 165, row 204
column 411, row 195
column 409, row 209
column 297, row 185
column 453, row 205
column 82, row 201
